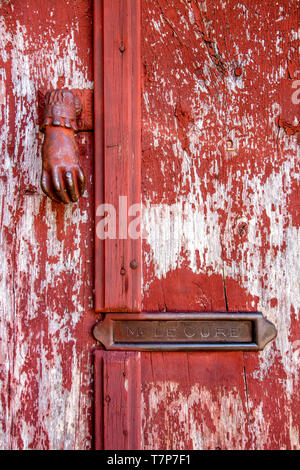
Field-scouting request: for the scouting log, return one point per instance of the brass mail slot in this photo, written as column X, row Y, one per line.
column 184, row 331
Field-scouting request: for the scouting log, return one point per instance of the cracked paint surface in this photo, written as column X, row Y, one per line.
column 46, row 252
column 220, row 184
column 221, row 195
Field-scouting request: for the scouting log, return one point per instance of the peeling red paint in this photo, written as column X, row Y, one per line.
column 220, row 165
column 46, row 300
column 218, row 119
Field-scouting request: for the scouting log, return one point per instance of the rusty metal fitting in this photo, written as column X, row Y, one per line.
column 62, row 177
column 62, row 108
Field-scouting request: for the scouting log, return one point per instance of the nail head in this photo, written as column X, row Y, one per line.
column 133, row 264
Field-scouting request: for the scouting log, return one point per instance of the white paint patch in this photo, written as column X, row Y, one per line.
column 180, row 232
column 180, row 421
column 188, row 231
column 278, row 271
column 20, row 145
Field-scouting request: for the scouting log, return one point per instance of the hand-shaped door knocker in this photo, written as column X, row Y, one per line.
column 62, row 177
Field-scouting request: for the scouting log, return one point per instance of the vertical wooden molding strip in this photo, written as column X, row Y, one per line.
column 117, row 400
column 117, row 69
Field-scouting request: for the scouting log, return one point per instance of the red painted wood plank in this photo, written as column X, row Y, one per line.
column 117, row 401
column 98, row 147
column 46, row 274
column 194, row 401
column 117, row 151
column 220, row 164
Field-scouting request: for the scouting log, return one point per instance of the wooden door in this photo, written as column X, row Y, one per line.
column 220, row 190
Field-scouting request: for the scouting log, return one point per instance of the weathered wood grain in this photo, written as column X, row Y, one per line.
column 220, row 179
column 117, row 400
column 194, row 401
column 220, row 184
column 46, row 251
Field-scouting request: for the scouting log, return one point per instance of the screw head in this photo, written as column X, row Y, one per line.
column 133, row 264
